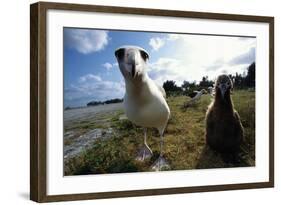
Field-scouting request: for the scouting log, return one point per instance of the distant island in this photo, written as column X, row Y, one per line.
column 94, row 103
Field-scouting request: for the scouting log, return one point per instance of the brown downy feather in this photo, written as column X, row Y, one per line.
column 224, row 131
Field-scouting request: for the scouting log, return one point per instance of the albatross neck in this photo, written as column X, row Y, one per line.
column 225, row 103
column 136, row 84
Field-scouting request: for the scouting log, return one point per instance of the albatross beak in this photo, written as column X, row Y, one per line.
column 223, row 89
column 133, row 72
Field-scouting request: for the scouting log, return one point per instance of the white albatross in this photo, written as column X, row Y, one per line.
column 144, row 101
column 196, row 97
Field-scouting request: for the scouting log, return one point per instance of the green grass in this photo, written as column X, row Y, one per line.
column 184, row 148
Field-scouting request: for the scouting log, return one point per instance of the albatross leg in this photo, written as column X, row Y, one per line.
column 145, row 152
column 161, row 163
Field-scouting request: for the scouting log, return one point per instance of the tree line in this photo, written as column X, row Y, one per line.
column 240, row 81
column 94, row 103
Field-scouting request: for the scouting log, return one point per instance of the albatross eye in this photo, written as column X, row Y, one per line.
column 144, row 55
column 120, row 53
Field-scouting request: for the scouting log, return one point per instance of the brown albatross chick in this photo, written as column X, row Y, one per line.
column 224, row 131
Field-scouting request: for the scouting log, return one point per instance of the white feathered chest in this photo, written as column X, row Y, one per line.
column 146, row 106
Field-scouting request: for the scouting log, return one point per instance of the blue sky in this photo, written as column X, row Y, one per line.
column 91, row 71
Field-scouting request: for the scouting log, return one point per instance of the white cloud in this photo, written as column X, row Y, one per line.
column 201, row 55
column 245, row 58
column 215, row 65
column 89, row 77
column 85, row 41
column 92, row 87
column 168, row 69
column 227, row 69
column 156, row 43
column 107, row 65
column 173, row 37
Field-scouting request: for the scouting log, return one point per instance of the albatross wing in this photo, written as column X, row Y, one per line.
column 162, row 90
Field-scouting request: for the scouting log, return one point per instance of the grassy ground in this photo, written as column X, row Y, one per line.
column 185, row 146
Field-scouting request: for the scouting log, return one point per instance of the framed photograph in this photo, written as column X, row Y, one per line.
column 134, row 102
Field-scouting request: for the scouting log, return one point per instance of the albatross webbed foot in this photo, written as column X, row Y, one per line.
column 144, row 153
column 160, row 164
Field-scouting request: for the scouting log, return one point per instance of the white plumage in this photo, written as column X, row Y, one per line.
column 211, row 91
column 144, row 101
column 145, row 105
column 195, row 98
column 198, row 95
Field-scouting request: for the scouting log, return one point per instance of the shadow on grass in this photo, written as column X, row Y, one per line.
column 212, row 159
